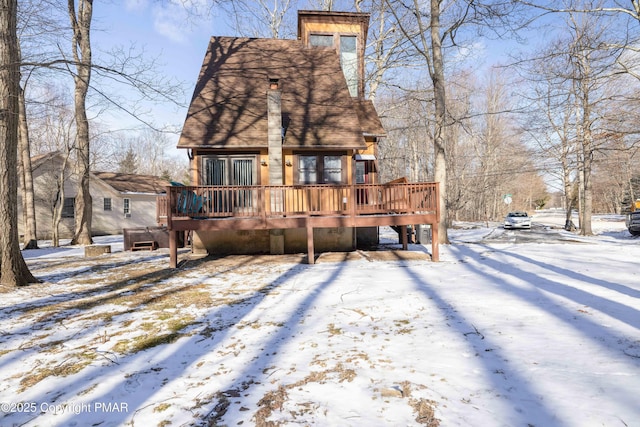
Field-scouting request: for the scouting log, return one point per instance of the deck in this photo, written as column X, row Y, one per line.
column 298, row 206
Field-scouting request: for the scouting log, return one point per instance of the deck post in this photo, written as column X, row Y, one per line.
column 173, row 249
column 435, row 249
column 404, row 238
column 310, row 253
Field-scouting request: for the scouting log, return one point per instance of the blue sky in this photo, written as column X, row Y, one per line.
column 161, row 28
column 164, row 31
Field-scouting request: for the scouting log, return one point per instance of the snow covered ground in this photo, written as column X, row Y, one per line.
column 533, row 327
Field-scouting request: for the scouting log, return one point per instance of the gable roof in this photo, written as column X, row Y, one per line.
column 40, row 159
column 130, row 183
column 229, row 104
column 120, row 182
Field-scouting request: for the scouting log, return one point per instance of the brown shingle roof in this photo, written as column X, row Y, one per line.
column 129, row 183
column 40, row 159
column 369, row 119
column 229, row 104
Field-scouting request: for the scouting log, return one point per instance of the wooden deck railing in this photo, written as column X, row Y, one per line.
column 211, row 202
column 298, row 206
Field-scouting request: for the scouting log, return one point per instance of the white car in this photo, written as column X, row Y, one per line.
column 517, row 220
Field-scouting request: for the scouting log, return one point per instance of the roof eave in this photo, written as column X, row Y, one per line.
column 374, row 135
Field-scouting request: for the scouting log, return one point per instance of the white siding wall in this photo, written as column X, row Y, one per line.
column 142, row 206
column 45, row 181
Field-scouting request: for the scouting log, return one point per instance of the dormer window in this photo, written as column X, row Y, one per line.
column 349, row 62
column 321, row 40
column 347, row 48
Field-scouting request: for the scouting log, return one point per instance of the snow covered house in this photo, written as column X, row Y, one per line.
column 282, row 146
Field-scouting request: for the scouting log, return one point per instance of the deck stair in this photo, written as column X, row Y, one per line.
column 148, row 245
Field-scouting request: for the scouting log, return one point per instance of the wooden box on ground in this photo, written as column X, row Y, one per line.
column 148, row 238
column 96, row 250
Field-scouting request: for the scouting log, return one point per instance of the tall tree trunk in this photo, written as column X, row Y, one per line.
column 440, row 98
column 587, row 193
column 13, row 269
column 56, row 216
column 30, row 240
column 81, row 25
column 568, row 191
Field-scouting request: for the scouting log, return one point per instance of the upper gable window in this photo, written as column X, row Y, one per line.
column 349, row 62
column 347, row 47
column 322, row 40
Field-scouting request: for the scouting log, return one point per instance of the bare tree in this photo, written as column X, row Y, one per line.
column 81, row 47
column 422, row 29
column 422, row 25
column 406, row 151
column 387, row 47
column 601, row 7
column 613, row 174
column 43, row 38
column 57, row 201
column 550, row 122
column 13, row 269
column 54, row 138
column 261, row 18
column 592, row 70
column 579, row 86
column 30, row 240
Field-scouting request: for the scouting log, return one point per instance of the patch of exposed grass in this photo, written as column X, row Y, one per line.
column 357, row 356
column 333, row 330
column 105, row 317
column 156, row 333
column 345, row 374
column 88, row 389
column 272, row 401
column 403, row 326
column 257, row 324
column 126, row 323
column 70, row 366
column 196, row 295
column 121, row 346
column 176, row 325
column 147, row 342
column 149, row 326
column 161, row 407
column 425, row 412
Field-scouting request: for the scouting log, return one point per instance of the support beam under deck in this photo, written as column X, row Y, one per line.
column 307, row 222
column 311, row 256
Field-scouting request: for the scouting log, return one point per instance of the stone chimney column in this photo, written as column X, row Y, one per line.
column 274, row 132
column 274, row 136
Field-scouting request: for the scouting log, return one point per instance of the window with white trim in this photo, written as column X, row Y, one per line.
column 320, row 169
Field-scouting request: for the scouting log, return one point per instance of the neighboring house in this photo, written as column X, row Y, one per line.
column 282, row 147
column 119, row 200
column 124, row 201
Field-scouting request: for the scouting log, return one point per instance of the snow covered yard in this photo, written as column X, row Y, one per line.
column 499, row 333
